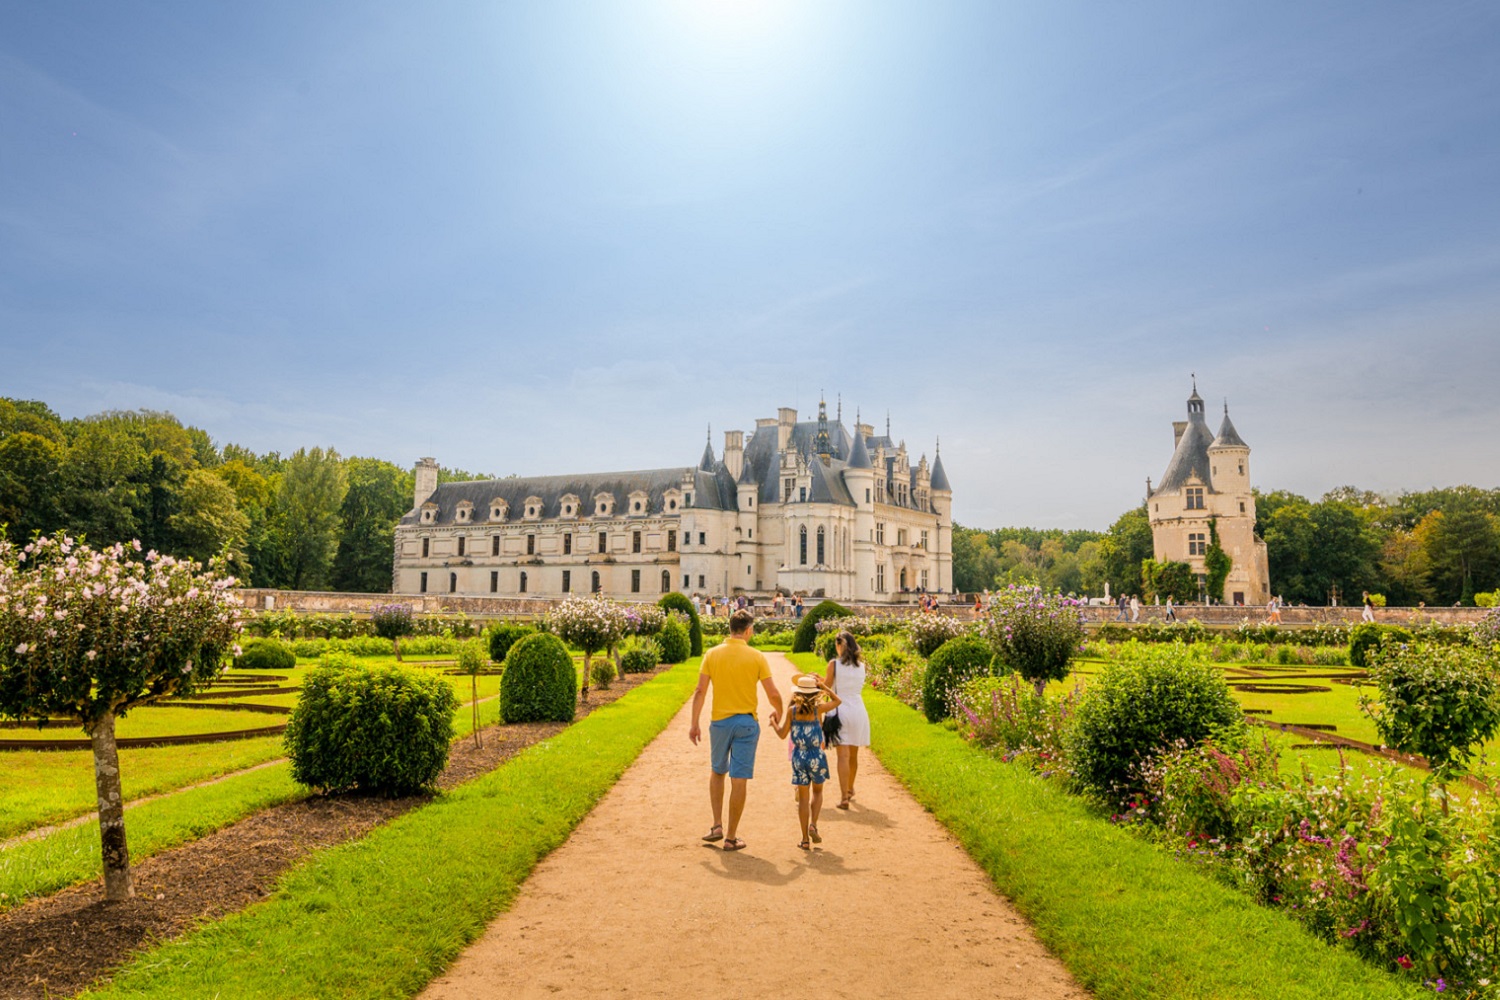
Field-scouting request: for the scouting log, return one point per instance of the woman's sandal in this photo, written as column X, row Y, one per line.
column 715, row 832
column 805, row 846
column 843, row 803
column 812, row 832
column 734, row 844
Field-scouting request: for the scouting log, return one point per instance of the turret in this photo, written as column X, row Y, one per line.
column 1229, row 456
column 427, row 477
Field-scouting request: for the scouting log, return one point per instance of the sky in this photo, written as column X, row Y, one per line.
column 542, row 238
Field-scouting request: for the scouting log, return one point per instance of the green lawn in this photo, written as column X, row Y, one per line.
column 377, row 917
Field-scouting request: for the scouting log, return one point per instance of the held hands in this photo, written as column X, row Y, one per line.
column 775, row 720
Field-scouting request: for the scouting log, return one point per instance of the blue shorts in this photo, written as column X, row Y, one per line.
column 731, row 744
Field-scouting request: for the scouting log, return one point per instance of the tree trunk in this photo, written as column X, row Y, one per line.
column 117, row 884
column 583, row 693
column 396, row 645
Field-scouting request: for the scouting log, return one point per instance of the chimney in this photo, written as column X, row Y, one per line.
column 734, row 452
column 786, row 419
column 427, row 472
column 1178, row 426
column 865, row 431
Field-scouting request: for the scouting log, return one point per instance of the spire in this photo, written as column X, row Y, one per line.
column 822, row 444
column 887, row 423
column 859, row 455
column 1228, row 436
column 939, row 475
column 1195, row 402
column 707, row 462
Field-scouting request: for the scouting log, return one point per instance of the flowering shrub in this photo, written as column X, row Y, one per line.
column 1034, row 633
column 592, row 624
column 90, row 633
column 391, row 621
column 1437, row 701
column 1486, row 632
column 1140, row 706
column 928, row 632
column 956, row 662
column 1007, row 716
column 646, row 619
column 896, row 669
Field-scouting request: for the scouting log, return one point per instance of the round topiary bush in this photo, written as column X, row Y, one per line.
column 954, row 663
column 266, row 654
column 539, row 684
column 1139, row 706
column 602, row 672
column 504, row 635
column 679, row 602
column 1366, row 638
column 807, row 629
column 673, row 640
column 640, row 657
column 383, row 729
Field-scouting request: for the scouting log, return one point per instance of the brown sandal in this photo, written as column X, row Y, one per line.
column 715, row 832
column 734, row 844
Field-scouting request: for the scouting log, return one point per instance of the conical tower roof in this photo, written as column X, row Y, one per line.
column 939, row 474
column 1191, row 457
column 707, row 462
column 1228, row 436
column 859, row 455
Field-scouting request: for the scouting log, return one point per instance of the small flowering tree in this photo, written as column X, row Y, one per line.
column 592, row 624
column 90, row 634
column 1035, row 633
column 929, row 632
column 392, row 621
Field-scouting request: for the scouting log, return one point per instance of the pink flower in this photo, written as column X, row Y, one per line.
column 1404, row 962
column 22, row 648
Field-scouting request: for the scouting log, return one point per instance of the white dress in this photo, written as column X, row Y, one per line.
column 854, row 720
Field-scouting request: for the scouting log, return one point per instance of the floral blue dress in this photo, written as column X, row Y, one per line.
column 809, row 763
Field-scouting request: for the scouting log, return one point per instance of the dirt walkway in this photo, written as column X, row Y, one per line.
column 634, row 905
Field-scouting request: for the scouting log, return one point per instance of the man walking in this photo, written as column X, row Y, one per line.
column 732, row 669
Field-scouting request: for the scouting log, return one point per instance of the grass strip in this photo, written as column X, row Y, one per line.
column 378, row 917
column 69, row 856
column 1127, row 919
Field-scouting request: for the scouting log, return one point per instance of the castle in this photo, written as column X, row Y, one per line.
column 1209, row 478
column 802, row 507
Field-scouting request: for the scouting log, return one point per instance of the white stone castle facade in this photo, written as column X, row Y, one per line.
column 1209, row 478
column 803, row 507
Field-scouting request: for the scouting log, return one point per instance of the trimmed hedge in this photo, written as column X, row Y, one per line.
column 383, row 729
column 673, row 641
column 266, row 654
column 539, row 683
column 505, row 635
column 954, row 662
column 679, row 602
column 641, row 657
column 807, row 629
column 1366, row 638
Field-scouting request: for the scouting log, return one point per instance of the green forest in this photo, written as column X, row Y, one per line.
column 316, row 520
column 312, row 520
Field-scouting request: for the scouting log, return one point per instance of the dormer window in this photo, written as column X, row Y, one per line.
column 429, row 513
column 671, row 499
column 639, row 502
column 533, row 508
column 498, row 509
column 569, row 504
column 464, row 511
column 604, row 504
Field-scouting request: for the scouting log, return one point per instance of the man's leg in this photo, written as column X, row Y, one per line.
column 716, row 796
column 736, row 803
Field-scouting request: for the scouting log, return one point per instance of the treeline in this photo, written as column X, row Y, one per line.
column 1436, row 546
column 312, row 520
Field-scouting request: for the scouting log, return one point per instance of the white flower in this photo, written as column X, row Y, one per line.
column 22, row 648
column 91, row 654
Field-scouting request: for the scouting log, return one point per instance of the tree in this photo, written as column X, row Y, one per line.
column 1167, row 579
column 1216, row 563
column 379, row 493
column 29, row 472
column 975, row 564
column 1463, row 550
column 209, row 522
column 306, row 516
column 1128, row 543
column 90, row 634
column 1404, row 565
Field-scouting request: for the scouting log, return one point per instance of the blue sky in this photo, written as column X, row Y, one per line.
column 556, row 237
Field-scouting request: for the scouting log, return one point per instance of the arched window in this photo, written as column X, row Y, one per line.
column 666, row 580
column 802, row 536
column 452, row 583
column 821, row 560
column 522, row 588
column 596, row 586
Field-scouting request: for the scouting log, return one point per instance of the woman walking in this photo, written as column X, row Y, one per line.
column 846, row 679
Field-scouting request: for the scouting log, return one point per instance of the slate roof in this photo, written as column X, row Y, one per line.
column 940, row 477
column 859, row 458
column 551, row 490
column 1228, row 436
column 1191, row 456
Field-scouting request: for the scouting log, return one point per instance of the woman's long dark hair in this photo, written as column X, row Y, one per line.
column 850, row 655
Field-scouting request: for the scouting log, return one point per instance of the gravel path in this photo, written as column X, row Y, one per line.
column 635, row 905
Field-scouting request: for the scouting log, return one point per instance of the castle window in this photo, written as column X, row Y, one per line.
column 567, row 545
column 820, row 560
column 423, row 585
column 702, row 538
column 522, row 588
column 1197, row 543
column 494, row 545
column 1242, row 468
column 1195, row 498
column 426, row 543
column 802, row 546
column 671, row 505
column 923, row 545
column 595, row 582
column 666, row 581
column 802, row 493
column 671, row 541
column 751, row 533
column 452, row 583
column 635, row 541
column 636, row 507
column 531, row 545
column 568, row 509
column 924, row 579
column 635, row 581
column 879, row 533
column 880, row 579
column 1242, row 506
column 461, row 541
column 687, row 501
column 494, row 581
column 749, row 501
column 603, row 542
column 687, row 581
column 497, row 511
column 867, row 496
column 567, row 586
column 701, row 584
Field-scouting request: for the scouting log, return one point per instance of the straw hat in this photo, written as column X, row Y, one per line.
column 805, row 683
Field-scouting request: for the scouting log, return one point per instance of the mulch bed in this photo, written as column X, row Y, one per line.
column 58, row 945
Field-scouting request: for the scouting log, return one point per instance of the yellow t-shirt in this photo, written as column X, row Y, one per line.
column 733, row 669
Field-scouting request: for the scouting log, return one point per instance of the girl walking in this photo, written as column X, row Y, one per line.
column 803, row 721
